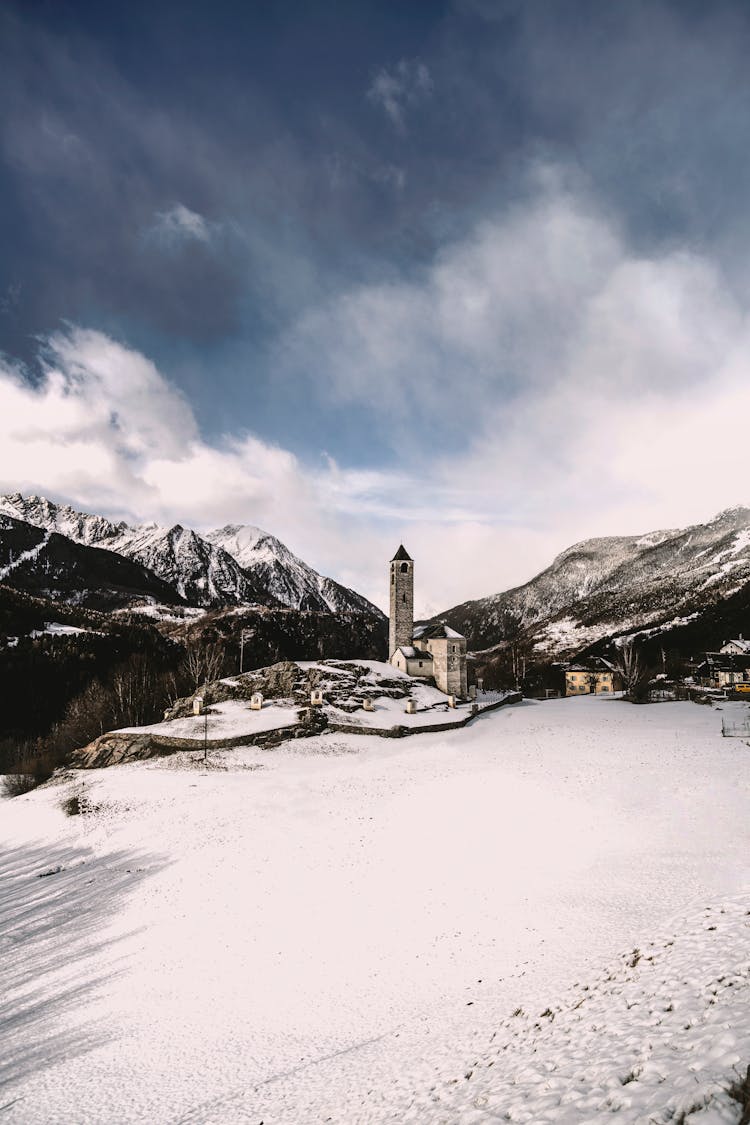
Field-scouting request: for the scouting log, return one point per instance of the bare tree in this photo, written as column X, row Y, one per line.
column 136, row 689
column 213, row 661
column 512, row 626
column 203, row 661
column 634, row 671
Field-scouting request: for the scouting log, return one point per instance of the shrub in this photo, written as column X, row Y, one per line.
column 739, row 1092
column 14, row 784
column 71, row 806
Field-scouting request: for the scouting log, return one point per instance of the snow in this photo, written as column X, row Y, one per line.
column 290, row 580
column 230, row 719
column 245, row 543
column 390, row 713
column 341, row 929
column 162, row 612
column 567, row 632
column 55, row 629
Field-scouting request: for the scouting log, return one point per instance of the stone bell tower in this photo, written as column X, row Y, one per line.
column 401, row 624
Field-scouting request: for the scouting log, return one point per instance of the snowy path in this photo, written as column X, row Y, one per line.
column 329, row 936
column 25, row 556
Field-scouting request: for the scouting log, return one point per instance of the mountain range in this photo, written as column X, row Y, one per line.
column 599, row 589
column 234, row 565
column 666, row 582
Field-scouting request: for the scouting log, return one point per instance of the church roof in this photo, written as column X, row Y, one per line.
column 412, row 653
column 401, row 555
column 433, row 632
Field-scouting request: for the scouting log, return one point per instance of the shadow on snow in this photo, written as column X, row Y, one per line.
column 55, row 905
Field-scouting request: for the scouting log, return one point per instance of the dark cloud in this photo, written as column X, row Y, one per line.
column 256, row 120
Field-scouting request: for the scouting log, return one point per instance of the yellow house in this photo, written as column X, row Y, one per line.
column 592, row 677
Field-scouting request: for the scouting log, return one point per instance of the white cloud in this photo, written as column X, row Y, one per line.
column 395, row 90
column 103, row 427
column 180, row 224
column 595, row 391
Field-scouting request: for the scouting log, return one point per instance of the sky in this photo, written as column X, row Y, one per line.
column 470, row 275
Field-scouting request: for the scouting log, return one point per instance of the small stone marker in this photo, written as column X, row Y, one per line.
column 473, row 692
column 256, row 701
column 474, row 708
column 451, row 701
column 198, row 705
column 411, row 707
column 368, row 705
column 316, row 697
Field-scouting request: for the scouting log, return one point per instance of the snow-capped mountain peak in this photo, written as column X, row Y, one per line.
column 238, row 564
column 79, row 526
column 283, row 574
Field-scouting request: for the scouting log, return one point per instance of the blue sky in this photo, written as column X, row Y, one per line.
column 470, row 275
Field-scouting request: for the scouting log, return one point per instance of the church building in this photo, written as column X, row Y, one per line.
column 428, row 650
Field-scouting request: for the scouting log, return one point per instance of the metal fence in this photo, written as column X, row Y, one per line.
column 735, row 729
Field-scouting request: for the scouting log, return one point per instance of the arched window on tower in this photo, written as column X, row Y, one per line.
column 404, row 568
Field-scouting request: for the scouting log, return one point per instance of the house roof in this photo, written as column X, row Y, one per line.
column 740, row 642
column 726, row 662
column 435, row 632
column 594, row 664
column 412, row 653
column 401, row 555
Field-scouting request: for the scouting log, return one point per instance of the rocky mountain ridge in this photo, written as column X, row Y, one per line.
column 285, row 576
column 617, row 585
column 50, row 565
column 200, row 569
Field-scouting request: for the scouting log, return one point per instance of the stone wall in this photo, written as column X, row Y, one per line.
column 449, row 666
column 434, row 728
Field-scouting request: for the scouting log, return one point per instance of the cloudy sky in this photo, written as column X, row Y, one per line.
column 470, row 275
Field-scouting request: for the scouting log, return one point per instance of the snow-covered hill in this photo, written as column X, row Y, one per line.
column 235, row 565
column 602, row 587
column 334, row 932
column 287, row 578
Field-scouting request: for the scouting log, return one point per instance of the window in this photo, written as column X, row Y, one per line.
column 403, row 597
column 404, row 568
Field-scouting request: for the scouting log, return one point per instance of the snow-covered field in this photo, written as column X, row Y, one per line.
column 342, row 930
column 230, row 719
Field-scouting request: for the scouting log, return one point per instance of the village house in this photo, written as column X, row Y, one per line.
column 725, row 669
column 428, row 650
column 592, row 677
column 738, row 647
